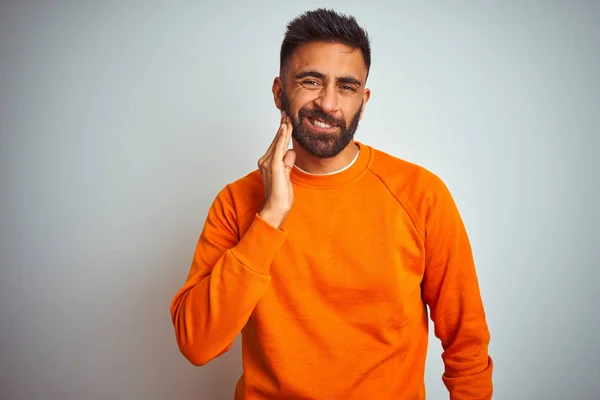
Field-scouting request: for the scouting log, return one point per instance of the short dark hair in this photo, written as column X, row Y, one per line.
column 324, row 25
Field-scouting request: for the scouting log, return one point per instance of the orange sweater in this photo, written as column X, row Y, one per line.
column 333, row 304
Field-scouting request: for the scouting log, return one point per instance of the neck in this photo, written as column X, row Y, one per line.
column 316, row 165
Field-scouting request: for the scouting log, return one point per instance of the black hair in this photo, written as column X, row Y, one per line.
column 325, row 25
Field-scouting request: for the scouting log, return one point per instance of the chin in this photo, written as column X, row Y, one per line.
column 316, row 146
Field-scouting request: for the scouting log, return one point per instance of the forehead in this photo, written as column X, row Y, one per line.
column 330, row 58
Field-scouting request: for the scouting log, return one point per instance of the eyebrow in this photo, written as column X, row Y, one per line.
column 316, row 74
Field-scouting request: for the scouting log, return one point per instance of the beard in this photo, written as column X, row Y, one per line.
column 322, row 145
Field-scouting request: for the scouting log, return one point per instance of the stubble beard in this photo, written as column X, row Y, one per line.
column 322, row 145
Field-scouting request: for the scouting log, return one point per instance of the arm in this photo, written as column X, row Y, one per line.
column 226, row 280
column 229, row 275
column 451, row 289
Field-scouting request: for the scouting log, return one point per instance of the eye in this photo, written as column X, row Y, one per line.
column 348, row 88
column 311, row 83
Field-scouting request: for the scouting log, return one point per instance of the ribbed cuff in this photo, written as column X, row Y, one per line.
column 257, row 248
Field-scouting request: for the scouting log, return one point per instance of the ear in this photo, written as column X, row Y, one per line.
column 277, row 90
column 366, row 97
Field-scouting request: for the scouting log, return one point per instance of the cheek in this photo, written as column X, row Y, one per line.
column 350, row 111
column 304, row 97
column 298, row 103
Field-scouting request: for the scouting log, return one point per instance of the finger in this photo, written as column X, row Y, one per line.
column 287, row 134
column 288, row 161
column 282, row 142
column 273, row 145
column 290, row 129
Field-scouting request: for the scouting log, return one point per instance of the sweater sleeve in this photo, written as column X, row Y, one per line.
column 226, row 280
column 451, row 289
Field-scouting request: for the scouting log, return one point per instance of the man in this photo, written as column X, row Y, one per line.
column 326, row 257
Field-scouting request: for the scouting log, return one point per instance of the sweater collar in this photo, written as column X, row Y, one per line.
column 336, row 179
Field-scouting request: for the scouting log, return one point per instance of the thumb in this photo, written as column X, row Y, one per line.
column 288, row 160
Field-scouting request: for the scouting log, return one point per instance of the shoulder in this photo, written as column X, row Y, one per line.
column 416, row 188
column 244, row 195
column 404, row 178
column 247, row 187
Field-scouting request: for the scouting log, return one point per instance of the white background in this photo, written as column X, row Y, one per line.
column 120, row 121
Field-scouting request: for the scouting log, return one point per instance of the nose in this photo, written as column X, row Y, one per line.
column 328, row 99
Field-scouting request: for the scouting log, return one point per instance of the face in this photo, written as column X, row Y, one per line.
column 322, row 89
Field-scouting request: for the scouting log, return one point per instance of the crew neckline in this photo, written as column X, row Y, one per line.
column 345, row 175
column 334, row 172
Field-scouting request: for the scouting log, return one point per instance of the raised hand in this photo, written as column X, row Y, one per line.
column 275, row 168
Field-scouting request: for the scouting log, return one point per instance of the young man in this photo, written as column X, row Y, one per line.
column 326, row 257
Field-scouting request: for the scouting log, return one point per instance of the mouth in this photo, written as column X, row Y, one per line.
column 319, row 125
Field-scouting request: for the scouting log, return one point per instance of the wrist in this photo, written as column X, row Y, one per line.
column 272, row 218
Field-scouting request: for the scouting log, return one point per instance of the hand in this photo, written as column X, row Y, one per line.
column 275, row 168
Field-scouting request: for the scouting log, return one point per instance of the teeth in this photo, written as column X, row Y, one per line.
column 320, row 124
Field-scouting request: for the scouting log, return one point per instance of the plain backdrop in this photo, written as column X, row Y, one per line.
column 120, row 122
